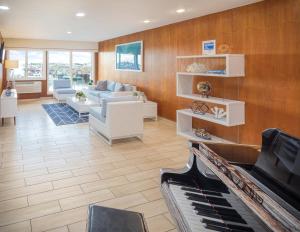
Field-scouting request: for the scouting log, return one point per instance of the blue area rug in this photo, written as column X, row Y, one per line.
column 63, row 114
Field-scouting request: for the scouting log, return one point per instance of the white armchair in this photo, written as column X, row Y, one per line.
column 62, row 89
column 118, row 118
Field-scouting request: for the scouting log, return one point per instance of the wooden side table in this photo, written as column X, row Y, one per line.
column 9, row 105
column 150, row 110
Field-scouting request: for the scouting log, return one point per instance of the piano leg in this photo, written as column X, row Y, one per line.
column 276, row 161
column 290, row 178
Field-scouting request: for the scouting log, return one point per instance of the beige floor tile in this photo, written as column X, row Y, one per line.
column 12, row 184
column 152, row 208
column 29, row 212
column 24, row 191
column 169, row 217
column 133, row 187
column 152, row 194
column 156, row 164
column 90, row 170
column 22, row 175
column 102, row 184
column 46, row 178
column 60, row 229
column 124, row 202
column 54, row 195
column 60, row 219
column 85, row 199
column 143, row 175
column 117, row 172
column 77, row 227
column 159, row 224
column 108, row 159
column 48, row 164
column 13, row 204
column 17, row 227
column 130, row 162
column 75, row 181
column 83, row 169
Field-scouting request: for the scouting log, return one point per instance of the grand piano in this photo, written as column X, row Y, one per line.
column 237, row 188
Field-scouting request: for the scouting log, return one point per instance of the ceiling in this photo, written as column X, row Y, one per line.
column 105, row 19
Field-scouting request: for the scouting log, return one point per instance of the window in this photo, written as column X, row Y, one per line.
column 31, row 64
column 35, row 64
column 81, row 69
column 76, row 66
column 58, row 67
column 20, row 55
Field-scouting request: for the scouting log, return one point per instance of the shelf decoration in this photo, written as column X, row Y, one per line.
column 196, row 68
column 209, row 47
column 204, row 88
column 202, row 133
column 218, row 112
column 199, row 107
column 224, row 48
column 218, row 72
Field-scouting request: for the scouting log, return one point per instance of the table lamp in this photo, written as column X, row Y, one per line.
column 11, row 65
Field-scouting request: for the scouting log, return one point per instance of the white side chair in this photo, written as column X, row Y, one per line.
column 118, row 118
column 62, row 89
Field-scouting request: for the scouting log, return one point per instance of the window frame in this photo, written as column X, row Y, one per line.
column 70, row 62
column 26, row 50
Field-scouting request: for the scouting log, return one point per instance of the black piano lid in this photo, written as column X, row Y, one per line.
column 274, row 178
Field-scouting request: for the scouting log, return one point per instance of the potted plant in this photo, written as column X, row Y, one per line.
column 90, row 84
column 81, row 96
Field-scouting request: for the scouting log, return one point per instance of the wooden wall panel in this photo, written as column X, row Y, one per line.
column 268, row 33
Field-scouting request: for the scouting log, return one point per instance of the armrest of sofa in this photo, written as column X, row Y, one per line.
column 121, row 93
column 125, row 116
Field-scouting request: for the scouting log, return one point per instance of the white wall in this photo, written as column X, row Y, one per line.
column 50, row 44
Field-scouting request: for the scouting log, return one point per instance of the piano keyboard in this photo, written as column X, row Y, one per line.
column 208, row 210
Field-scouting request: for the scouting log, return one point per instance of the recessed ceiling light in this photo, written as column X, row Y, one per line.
column 2, row 7
column 179, row 11
column 80, row 14
column 69, row 32
column 147, row 21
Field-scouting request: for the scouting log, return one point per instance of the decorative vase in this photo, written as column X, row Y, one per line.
column 82, row 99
column 204, row 88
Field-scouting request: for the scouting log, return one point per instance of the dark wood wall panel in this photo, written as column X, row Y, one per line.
column 268, row 33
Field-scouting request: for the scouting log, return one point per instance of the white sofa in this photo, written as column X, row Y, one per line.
column 118, row 118
column 62, row 89
column 112, row 90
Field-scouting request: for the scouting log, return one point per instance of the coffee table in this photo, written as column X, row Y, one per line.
column 82, row 107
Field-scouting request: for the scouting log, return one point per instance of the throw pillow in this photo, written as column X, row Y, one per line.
column 119, row 87
column 111, row 85
column 101, row 85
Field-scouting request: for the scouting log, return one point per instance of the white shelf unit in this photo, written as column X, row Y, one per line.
column 185, row 129
column 234, row 65
column 235, row 110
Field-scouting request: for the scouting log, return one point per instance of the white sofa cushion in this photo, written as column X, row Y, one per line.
column 114, row 99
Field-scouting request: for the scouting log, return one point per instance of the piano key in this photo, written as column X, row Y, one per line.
column 195, row 221
column 217, row 212
column 214, row 200
column 206, row 192
column 230, row 226
column 220, row 210
column 222, row 229
column 223, row 217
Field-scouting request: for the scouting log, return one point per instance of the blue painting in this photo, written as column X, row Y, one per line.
column 129, row 56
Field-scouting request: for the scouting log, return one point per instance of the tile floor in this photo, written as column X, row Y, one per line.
column 49, row 174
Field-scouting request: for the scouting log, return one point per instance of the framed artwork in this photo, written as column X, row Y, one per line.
column 209, row 47
column 129, row 56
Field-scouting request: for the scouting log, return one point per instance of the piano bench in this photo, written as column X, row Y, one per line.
column 103, row 219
